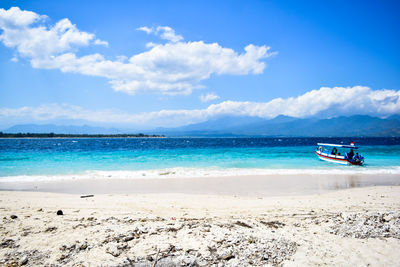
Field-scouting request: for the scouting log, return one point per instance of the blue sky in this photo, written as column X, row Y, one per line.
column 165, row 63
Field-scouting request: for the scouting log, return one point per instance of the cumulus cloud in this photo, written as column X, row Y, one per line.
column 208, row 97
column 22, row 30
column 14, row 17
column 325, row 102
column 175, row 67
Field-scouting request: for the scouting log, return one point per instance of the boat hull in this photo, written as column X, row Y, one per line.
column 359, row 162
column 332, row 159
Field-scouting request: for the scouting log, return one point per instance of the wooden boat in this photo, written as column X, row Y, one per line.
column 336, row 153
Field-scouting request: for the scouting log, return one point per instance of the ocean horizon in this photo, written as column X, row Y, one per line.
column 147, row 158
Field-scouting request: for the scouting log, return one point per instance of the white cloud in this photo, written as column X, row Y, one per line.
column 14, row 17
column 326, row 102
column 145, row 29
column 165, row 32
column 208, row 97
column 175, row 67
column 100, row 42
column 22, row 30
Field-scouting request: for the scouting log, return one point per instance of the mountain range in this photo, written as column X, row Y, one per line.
column 282, row 126
column 357, row 125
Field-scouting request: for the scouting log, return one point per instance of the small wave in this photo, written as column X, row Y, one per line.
column 14, row 159
column 196, row 173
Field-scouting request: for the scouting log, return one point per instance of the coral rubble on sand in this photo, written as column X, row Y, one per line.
column 184, row 241
column 367, row 225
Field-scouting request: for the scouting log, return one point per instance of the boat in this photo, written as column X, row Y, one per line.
column 339, row 153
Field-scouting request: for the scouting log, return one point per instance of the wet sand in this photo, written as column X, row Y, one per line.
column 266, row 185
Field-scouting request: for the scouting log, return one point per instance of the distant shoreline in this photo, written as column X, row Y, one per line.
column 61, row 136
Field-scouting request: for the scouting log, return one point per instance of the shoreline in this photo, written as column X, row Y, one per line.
column 250, row 185
column 356, row 226
column 84, row 137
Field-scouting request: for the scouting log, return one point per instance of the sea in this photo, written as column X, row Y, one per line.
column 148, row 158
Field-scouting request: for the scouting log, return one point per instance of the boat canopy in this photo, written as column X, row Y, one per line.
column 337, row 145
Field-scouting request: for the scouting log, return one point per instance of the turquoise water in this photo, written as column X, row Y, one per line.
column 183, row 157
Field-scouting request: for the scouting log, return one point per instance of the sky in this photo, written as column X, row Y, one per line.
column 145, row 64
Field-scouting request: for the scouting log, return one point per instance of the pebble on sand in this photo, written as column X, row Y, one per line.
column 23, row 260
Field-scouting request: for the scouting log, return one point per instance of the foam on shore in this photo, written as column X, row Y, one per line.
column 198, row 173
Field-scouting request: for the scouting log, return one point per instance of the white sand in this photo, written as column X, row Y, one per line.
column 229, row 230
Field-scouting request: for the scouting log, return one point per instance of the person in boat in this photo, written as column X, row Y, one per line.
column 350, row 155
column 356, row 157
column 334, row 151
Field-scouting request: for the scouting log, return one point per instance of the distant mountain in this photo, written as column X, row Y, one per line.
column 394, row 117
column 215, row 125
column 59, row 129
column 358, row 125
column 281, row 126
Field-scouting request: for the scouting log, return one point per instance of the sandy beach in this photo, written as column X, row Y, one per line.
column 345, row 227
column 199, row 133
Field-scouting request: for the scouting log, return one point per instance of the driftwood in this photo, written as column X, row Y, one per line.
column 85, row 196
column 243, row 224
